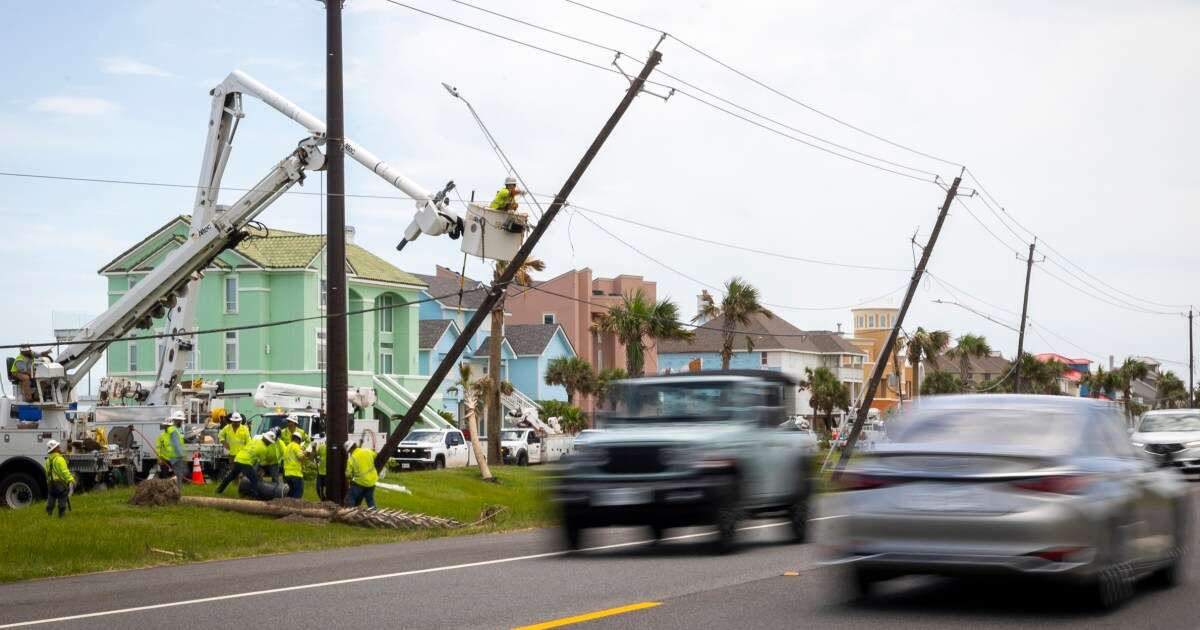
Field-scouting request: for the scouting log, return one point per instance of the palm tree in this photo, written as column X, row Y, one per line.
column 637, row 319
column 1131, row 370
column 574, row 374
column 470, row 390
column 737, row 309
column 966, row 348
column 1100, row 383
column 925, row 344
column 939, row 382
column 604, row 381
column 1172, row 393
column 522, row 278
column 828, row 394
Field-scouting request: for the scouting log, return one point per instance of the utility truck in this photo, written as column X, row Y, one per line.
column 432, row 448
column 170, row 292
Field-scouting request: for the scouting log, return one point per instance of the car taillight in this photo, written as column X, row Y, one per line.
column 1063, row 554
column 1056, row 484
column 859, row 481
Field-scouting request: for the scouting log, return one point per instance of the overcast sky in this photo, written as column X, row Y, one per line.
column 1080, row 117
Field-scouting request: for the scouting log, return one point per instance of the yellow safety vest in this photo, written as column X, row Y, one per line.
column 56, row 469
column 360, row 467
column 503, row 199
column 286, row 436
column 235, row 438
column 322, row 460
column 252, row 453
column 164, row 445
column 293, row 455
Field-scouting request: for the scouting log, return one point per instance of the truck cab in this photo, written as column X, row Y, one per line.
column 702, row 448
column 432, row 448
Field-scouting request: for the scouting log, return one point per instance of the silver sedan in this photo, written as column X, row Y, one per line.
column 1171, row 437
column 1044, row 486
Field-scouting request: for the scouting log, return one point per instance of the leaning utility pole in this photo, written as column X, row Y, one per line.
column 882, row 359
column 1024, row 311
column 335, row 258
column 1191, row 366
column 500, row 285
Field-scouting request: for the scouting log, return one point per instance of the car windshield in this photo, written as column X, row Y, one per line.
column 423, row 436
column 692, row 400
column 508, row 436
column 1152, row 423
column 998, row 428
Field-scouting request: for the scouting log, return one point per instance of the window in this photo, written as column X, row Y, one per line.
column 764, row 358
column 133, row 366
column 231, row 350
column 385, row 313
column 321, row 348
column 871, row 321
column 231, row 294
column 133, row 280
column 385, row 358
column 324, row 289
column 859, row 322
column 548, row 318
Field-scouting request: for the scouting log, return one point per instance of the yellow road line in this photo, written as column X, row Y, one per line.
column 566, row 621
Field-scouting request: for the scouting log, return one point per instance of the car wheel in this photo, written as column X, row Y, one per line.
column 1114, row 584
column 657, row 532
column 1171, row 574
column 522, row 459
column 798, row 513
column 439, row 463
column 863, row 581
column 727, row 520
column 572, row 535
column 19, row 491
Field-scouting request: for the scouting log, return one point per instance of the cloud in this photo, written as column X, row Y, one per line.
column 129, row 66
column 75, row 106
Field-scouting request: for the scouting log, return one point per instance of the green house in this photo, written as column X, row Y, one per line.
column 271, row 276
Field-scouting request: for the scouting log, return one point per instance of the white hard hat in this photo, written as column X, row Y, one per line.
column 510, row 181
column 236, row 417
column 51, row 445
column 177, row 415
column 166, row 422
column 269, row 437
column 351, row 445
column 292, row 418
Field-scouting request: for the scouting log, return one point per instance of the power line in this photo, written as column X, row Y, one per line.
column 1061, row 280
column 131, row 182
column 979, row 313
column 953, row 289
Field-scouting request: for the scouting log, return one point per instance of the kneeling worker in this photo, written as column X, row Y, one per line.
column 59, row 480
column 293, row 466
column 361, row 473
column 247, row 461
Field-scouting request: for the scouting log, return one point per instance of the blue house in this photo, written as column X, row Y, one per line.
column 533, row 347
column 457, row 300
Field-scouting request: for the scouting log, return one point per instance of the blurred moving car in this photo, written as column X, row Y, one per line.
column 702, row 448
column 1172, row 438
column 1044, row 486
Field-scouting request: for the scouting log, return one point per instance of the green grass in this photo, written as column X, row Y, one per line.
column 103, row 532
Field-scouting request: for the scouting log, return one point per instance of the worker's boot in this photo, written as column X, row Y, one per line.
column 62, row 511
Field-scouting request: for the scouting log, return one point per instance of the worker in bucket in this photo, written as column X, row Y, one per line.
column 506, row 198
column 293, row 466
column 361, row 473
column 248, row 460
column 59, row 480
column 21, row 370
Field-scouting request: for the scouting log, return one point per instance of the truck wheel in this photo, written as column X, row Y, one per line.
column 19, row 490
column 572, row 535
column 798, row 518
column 522, row 459
column 439, row 463
column 727, row 520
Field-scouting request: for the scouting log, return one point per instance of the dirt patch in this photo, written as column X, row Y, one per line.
column 155, row 492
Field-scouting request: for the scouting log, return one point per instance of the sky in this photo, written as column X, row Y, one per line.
column 1077, row 117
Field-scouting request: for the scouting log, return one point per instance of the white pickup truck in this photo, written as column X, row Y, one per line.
column 432, row 448
column 524, row 446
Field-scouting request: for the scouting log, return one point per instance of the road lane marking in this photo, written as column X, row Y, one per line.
column 367, row 578
column 599, row 614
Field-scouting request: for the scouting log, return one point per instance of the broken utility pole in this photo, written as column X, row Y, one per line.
column 1024, row 312
column 335, row 258
column 881, row 360
column 510, row 269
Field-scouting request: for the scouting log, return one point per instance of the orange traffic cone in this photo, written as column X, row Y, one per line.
column 197, row 474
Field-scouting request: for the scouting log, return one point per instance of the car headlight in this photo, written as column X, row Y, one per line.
column 1193, row 444
column 1138, row 444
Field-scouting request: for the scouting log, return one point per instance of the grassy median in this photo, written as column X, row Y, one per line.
column 103, row 532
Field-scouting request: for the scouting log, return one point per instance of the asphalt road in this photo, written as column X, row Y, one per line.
column 517, row 579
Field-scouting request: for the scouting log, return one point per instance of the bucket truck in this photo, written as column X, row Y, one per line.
column 170, row 291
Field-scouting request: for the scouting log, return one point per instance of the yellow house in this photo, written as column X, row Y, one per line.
column 872, row 325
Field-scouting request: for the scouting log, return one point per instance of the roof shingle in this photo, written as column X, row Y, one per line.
column 767, row 333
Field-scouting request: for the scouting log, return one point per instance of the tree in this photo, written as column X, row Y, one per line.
column 571, row 419
column 522, row 278
column 1172, row 392
column 573, row 373
column 1037, row 377
column 1131, row 370
column 828, row 394
column 471, row 408
column 1100, row 383
column 737, row 309
column 939, row 382
column 925, row 344
column 604, row 381
column 966, row 348
column 637, row 319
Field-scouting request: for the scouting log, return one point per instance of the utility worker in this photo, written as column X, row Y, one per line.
column 59, row 480
column 169, row 447
column 293, row 427
column 248, row 460
column 361, row 473
column 293, row 466
column 272, row 457
column 22, row 370
column 234, row 435
column 179, row 464
column 322, row 468
column 506, row 198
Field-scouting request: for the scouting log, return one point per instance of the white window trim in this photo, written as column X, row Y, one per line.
column 131, row 357
column 317, row 349
column 390, row 355
column 237, row 347
column 553, row 318
column 322, row 293
column 225, row 294
column 387, row 314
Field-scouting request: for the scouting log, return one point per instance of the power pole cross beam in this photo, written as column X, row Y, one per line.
column 881, row 360
column 501, row 284
column 1024, row 313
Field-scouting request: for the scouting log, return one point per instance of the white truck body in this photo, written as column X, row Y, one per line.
column 432, row 448
column 525, row 446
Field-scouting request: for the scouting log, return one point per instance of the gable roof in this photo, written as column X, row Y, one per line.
column 767, row 333
column 485, row 346
column 284, row 249
column 531, row 339
column 431, row 331
column 991, row 364
column 446, row 288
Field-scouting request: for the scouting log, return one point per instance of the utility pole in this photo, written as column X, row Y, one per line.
column 1191, row 364
column 335, row 257
column 882, row 360
column 501, row 284
column 1024, row 312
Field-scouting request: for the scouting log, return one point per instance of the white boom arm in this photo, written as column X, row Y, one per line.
column 292, row 397
column 433, row 216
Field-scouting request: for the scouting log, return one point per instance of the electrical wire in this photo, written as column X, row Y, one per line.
column 979, row 313
column 1132, row 309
